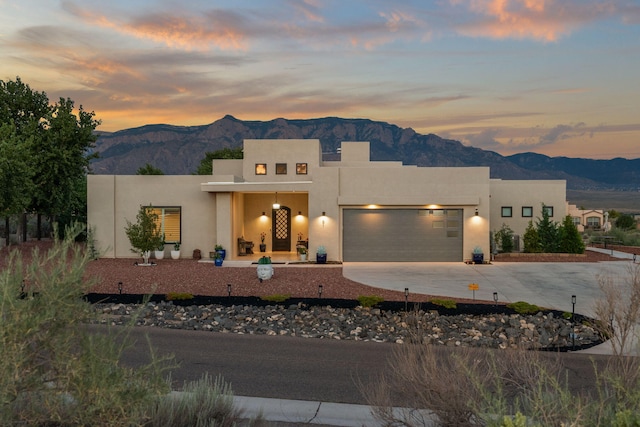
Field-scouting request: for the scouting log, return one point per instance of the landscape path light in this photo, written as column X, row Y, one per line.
column 320, row 291
column 495, row 297
column 120, row 288
column 573, row 313
column 406, row 298
column 229, row 289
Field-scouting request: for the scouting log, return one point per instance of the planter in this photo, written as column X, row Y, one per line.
column 175, row 254
column 478, row 258
column 263, row 247
column 222, row 252
column 159, row 254
column 145, row 257
column 321, row 258
column 303, row 257
column 218, row 262
column 265, row 271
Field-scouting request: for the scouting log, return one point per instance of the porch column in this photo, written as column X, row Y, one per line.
column 224, row 222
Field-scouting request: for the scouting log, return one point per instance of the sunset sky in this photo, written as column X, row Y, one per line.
column 556, row 77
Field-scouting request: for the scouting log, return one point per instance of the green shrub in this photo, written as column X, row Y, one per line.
column 446, row 303
column 276, row 297
column 522, row 307
column 51, row 367
column 369, row 300
column 177, row 296
column 264, row 260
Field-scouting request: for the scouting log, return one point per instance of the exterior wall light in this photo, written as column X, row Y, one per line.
column 263, row 213
column 276, row 205
column 324, row 213
column 476, row 211
column 299, row 213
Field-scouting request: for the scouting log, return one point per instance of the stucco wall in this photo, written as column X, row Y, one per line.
column 532, row 193
column 289, row 151
column 113, row 199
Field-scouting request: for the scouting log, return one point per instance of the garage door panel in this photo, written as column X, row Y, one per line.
column 402, row 235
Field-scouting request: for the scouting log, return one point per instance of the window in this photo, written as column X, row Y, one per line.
column 527, row 211
column 170, row 222
column 281, row 168
column 576, row 220
column 301, row 168
column 261, row 168
column 507, row 211
column 548, row 210
column 593, row 221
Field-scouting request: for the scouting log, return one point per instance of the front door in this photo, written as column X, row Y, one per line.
column 281, row 230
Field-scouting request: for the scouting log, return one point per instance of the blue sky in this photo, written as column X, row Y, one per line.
column 554, row 77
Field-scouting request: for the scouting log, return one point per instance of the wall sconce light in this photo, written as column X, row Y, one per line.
column 263, row 213
column 276, row 205
column 324, row 213
column 476, row 211
column 299, row 213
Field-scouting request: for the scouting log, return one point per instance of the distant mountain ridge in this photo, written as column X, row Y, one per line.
column 177, row 150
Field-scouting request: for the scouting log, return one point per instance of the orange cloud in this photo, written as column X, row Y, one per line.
column 544, row 20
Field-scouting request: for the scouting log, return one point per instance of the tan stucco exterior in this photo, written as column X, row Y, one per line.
column 220, row 208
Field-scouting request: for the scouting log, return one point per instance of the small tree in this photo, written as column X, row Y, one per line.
column 548, row 232
column 625, row 222
column 531, row 239
column 504, row 239
column 570, row 240
column 145, row 235
column 149, row 169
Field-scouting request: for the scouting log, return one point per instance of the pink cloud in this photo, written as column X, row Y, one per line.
column 544, row 20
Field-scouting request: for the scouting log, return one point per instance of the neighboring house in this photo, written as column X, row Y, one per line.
column 358, row 209
column 586, row 219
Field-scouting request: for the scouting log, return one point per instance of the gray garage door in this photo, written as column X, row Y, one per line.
column 402, row 235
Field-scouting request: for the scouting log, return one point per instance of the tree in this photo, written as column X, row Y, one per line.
column 206, row 164
column 149, row 169
column 145, row 235
column 625, row 222
column 15, row 175
column 531, row 239
column 570, row 240
column 504, row 239
column 548, row 232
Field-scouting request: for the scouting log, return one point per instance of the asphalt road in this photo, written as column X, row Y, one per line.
column 299, row 368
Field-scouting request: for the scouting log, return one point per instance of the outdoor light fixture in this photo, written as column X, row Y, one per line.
column 264, row 214
column 320, row 291
column 299, row 213
column 476, row 211
column 120, row 288
column 229, row 289
column 573, row 312
column 495, row 297
column 276, row 205
column 324, row 213
column 573, row 303
column 406, row 298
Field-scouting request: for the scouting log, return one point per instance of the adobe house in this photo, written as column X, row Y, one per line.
column 358, row 209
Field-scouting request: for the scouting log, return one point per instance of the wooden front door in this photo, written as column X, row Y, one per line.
column 281, row 230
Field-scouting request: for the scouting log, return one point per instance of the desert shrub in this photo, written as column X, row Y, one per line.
column 53, row 369
column 446, row 303
column 205, row 402
column 522, row 307
column 276, row 297
column 178, row 296
column 369, row 300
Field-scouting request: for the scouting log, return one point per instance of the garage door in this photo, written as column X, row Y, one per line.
column 415, row 235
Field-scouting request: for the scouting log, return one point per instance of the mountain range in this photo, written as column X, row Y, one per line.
column 178, row 150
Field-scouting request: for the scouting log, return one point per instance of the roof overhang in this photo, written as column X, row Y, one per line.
column 256, row 187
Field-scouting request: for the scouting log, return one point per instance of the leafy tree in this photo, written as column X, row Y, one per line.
column 570, row 240
column 15, row 175
column 625, row 222
column 145, row 235
column 206, row 166
column 149, row 169
column 548, row 233
column 504, row 239
column 531, row 239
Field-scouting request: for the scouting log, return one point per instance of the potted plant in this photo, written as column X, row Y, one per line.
column 221, row 251
column 159, row 252
column 263, row 246
column 477, row 255
column 144, row 235
column 217, row 261
column 175, row 253
column 302, row 251
column 265, row 269
column 321, row 255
